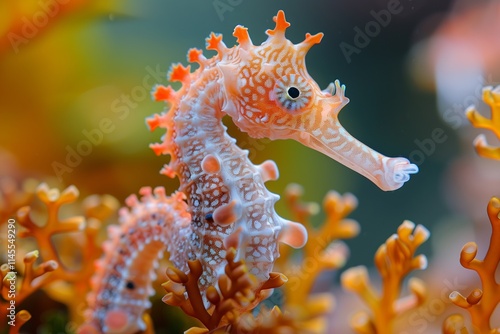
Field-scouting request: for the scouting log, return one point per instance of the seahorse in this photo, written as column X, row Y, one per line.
column 267, row 92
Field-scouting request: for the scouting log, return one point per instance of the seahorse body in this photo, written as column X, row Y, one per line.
column 267, row 92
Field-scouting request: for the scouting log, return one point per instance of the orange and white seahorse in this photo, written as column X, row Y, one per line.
column 267, row 92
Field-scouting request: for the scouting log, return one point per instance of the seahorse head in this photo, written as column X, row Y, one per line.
column 269, row 93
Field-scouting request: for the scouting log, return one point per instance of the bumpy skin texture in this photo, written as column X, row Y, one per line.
column 267, row 92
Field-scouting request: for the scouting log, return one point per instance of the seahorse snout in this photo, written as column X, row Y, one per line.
column 398, row 171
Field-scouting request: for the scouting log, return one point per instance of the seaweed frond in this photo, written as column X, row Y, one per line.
column 492, row 98
column 394, row 260
column 482, row 302
column 236, row 291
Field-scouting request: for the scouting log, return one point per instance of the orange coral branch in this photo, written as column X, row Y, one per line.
column 70, row 281
column 97, row 209
column 481, row 303
column 34, row 277
column 454, row 324
column 12, row 198
column 492, row 98
column 237, row 292
column 303, row 311
column 320, row 247
column 43, row 234
column 395, row 259
column 21, row 318
column 181, row 284
column 32, row 272
column 274, row 321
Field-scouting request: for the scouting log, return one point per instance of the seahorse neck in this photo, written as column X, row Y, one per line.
column 198, row 126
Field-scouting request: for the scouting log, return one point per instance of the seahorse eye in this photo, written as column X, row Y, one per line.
column 293, row 93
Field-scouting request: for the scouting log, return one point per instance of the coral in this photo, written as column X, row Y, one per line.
column 480, row 303
column 321, row 252
column 235, row 292
column 307, row 318
column 14, row 293
column 492, row 98
column 21, row 318
column 394, row 260
column 43, row 234
column 301, row 311
column 12, row 197
column 97, row 209
column 268, row 321
column 63, row 273
column 454, row 324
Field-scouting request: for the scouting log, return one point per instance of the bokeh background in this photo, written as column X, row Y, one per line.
column 63, row 73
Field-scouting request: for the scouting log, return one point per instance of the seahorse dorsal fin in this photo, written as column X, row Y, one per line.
column 229, row 74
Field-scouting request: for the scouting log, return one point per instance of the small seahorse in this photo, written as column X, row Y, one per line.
column 267, row 92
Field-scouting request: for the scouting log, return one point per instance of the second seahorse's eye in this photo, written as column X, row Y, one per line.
column 292, row 92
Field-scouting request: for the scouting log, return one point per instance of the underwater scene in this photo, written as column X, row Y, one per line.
column 237, row 166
